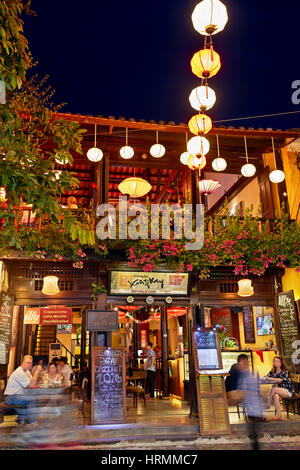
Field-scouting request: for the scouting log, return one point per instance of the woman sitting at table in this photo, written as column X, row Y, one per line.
column 282, row 387
column 52, row 377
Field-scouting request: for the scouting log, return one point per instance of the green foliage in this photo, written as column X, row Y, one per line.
column 97, row 290
column 15, row 57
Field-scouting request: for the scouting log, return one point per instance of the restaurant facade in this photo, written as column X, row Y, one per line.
column 163, row 305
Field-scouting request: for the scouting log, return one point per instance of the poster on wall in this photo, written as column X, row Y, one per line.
column 129, row 282
column 6, row 314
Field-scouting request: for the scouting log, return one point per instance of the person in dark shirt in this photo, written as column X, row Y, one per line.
column 234, row 394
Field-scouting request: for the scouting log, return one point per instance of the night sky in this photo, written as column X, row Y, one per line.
column 132, row 58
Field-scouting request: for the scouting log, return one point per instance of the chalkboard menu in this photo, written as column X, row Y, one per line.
column 248, row 325
column 108, row 386
column 6, row 312
column 102, row 320
column 206, row 349
column 288, row 321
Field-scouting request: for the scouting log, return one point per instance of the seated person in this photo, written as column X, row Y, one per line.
column 16, row 389
column 234, row 394
column 282, row 387
column 65, row 370
column 42, row 372
column 52, row 377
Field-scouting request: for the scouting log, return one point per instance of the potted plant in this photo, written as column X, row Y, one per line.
column 99, row 295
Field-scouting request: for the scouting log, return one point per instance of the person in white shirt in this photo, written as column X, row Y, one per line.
column 17, row 385
column 65, row 370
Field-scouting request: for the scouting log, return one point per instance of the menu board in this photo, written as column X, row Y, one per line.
column 248, row 325
column 288, row 321
column 108, row 386
column 6, row 312
column 102, row 320
column 206, row 349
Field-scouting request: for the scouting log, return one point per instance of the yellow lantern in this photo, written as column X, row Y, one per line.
column 206, row 63
column 245, row 288
column 202, row 98
column 195, row 163
column 50, row 285
column 209, row 17
column 200, row 124
column 198, row 145
column 2, row 194
column 135, row 187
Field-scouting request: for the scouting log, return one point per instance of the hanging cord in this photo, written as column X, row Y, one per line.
column 95, row 142
column 157, row 137
column 126, row 136
column 246, row 149
column 218, row 148
column 274, row 153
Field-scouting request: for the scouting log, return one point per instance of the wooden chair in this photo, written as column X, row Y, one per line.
column 5, row 409
column 138, row 389
column 244, row 411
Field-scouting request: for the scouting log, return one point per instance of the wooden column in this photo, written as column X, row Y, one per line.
column 19, row 347
column 164, row 351
column 83, row 339
column 135, row 343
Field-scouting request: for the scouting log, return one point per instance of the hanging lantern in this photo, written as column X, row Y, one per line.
column 208, row 186
column 202, row 98
column 50, row 285
column 2, row 194
column 126, row 152
column 209, row 17
column 248, row 170
column 135, row 187
column 200, row 124
column 277, row 176
column 198, row 145
column 245, row 288
column 219, row 164
column 184, row 157
column 157, row 150
column 206, row 63
column 61, row 159
column 94, row 154
column 195, row 163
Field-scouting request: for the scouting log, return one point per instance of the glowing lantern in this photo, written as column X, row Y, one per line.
column 206, row 63
column 208, row 186
column 245, row 288
column 198, row 145
column 277, row 176
column 209, row 17
column 219, row 164
column 126, row 152
column 200, row 124
column 135, row 187
column 61, row 159
column 184, row 157
column 50, row 285
column 157, row 150
column 94, row 154
column 248, row 170
column 202, row 98
column 195, row 163
column 2, row 194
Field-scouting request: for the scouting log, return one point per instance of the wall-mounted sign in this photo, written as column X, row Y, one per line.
column 102, row 320
column 126, row 282
column 6, row 313
column 64, row 329
column 248, row 325
column 48, row 316
column 288, row 321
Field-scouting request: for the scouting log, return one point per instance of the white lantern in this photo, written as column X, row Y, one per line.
column 157, row 150
column 245, row 288
column 277, row 176
column 184, row 157
column 198, row 145
column 202, row 98
column 126, row 152
column 248, row 170
column 219, row 164
column 61, row 159
column 94, row 154
column 209, row 17
column 50, row 285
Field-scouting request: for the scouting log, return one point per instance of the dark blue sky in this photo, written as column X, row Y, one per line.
column 132, row 58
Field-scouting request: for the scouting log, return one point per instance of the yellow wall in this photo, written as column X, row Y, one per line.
column 291, row 281
column 292, row 178
column 249, row 195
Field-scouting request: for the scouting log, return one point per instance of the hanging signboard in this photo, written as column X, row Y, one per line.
column 143, row 283
column 6, row 313
column 108, row 404
column 48, row 316
column 288, row 321
column 102, row 320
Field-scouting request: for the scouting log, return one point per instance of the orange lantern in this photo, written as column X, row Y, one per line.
column 200, row 124
column 195, row 163
column 206, row 63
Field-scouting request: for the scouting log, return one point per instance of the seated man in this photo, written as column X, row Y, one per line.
column 235, row 394
column 16, row 393
column 65, row 370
